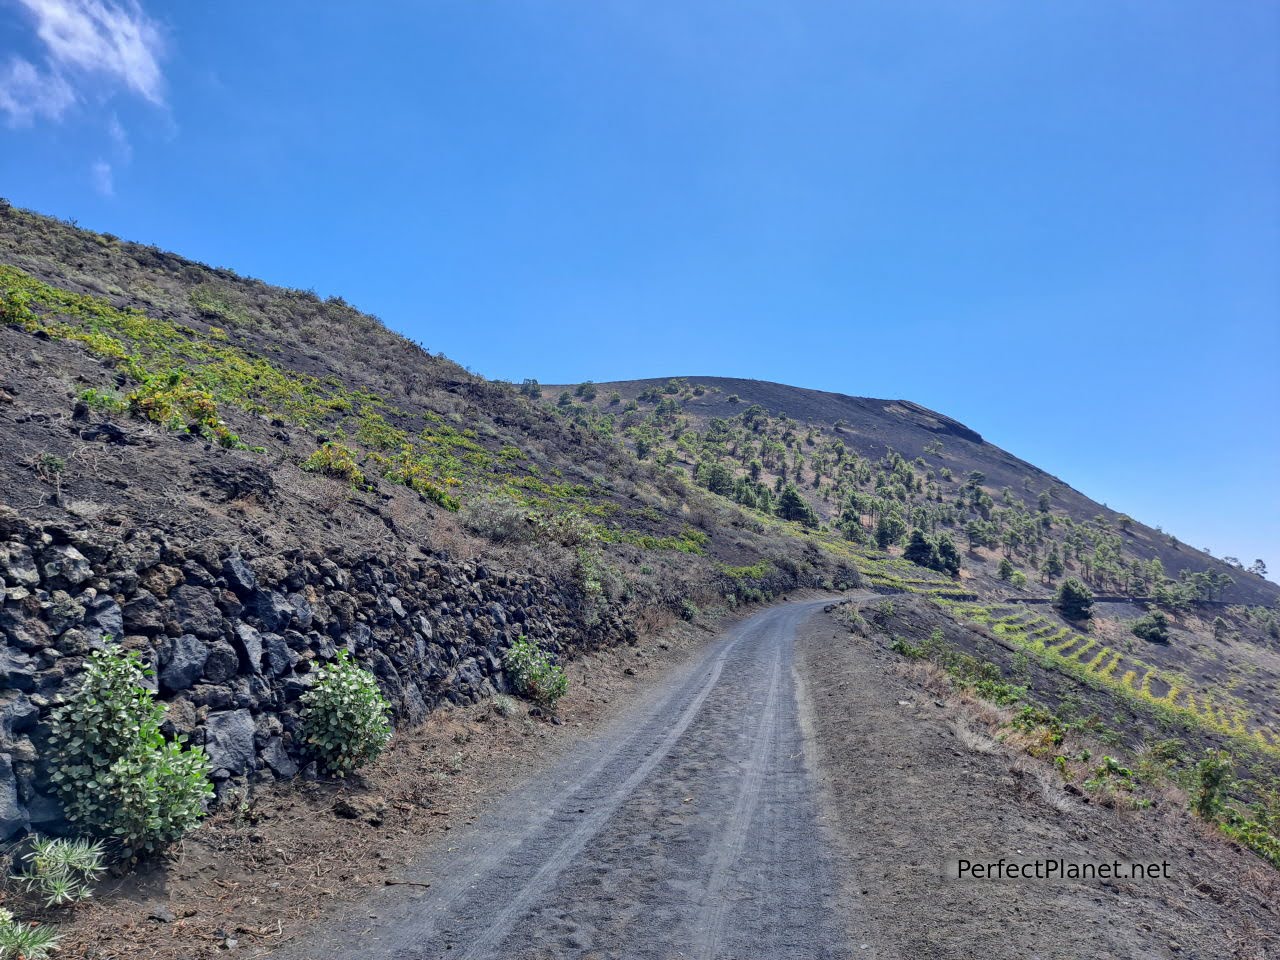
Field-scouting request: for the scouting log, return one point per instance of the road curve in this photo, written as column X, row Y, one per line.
column 687, row 829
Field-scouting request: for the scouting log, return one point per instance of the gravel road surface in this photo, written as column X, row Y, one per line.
column 689, row 828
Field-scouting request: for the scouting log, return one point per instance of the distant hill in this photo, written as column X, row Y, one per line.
column 873, row 427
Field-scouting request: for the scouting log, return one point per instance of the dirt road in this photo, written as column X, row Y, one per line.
column 688, row 829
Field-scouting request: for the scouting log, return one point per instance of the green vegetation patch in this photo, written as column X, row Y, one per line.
column 1141, row 685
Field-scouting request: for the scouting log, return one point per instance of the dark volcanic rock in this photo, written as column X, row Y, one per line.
column 229, row 742
column 196, row 611
column 249, row 641
column 273, row 609
column 105, row 616
column 13, row 816
column 65, row 564
column 143, row 614
column 239, row 575
column 222, row 664
column 277, row 657
column 17, row 669
column 18, row 566
column 278, row 759
column 182, row 661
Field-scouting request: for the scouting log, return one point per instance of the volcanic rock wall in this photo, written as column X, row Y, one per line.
column 235, row 639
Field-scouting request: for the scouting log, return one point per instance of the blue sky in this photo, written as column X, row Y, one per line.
column 1057, row 222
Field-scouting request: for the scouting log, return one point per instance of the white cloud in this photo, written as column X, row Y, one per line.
column 99, row 36
column 103, row 181
column 26, row 92
column 83, row 40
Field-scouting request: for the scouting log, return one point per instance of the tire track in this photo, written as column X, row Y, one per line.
column 572, row 846
column 715, row 908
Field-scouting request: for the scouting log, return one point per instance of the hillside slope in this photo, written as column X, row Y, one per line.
column 237, row 480
column 874, row 427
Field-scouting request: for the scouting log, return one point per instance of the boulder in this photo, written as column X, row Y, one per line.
column 277, row 758
column 143, row 614
column 229, row 742
column 65, row 564
column 239, row 575
column 222, row 664
column 197, row 611
column 13, row 816
column 214, row 696
column 17, row 713
column 249, row 641
column 17, row 669
column 277, row 657
column 21, row 630
column 273, row 609
column 104, row 616
column 182, row 661
column 18, row 566
column 303, row 613
column 62, row 612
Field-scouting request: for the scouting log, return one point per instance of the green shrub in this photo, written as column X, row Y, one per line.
column 1032, row 717
column 107, row 401
column 169, row 400
column 591, row 574
column 25, row 941
column 345, row 717
column 117, row 775
column 569, row 528
column 1153, row 627
column 908, row 649
column 61, row 871
column 1074, row 600
column 1110, row 778
column 533, row 674
column 1211, row 778
column 337, row 461
column 1258, row 826
column 999, row 692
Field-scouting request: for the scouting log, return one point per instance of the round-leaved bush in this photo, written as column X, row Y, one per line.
column 345, row 717
column 116, row 774
column 533, row 674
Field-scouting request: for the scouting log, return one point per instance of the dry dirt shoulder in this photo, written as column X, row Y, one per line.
column 254, row 878
column 906, row 795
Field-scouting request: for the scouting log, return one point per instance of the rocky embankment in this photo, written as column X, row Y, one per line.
column 234, row 639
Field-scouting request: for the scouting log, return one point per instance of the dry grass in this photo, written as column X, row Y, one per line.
column 972, row 739
column 1044, row 784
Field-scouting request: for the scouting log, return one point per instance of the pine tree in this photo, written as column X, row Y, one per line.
column 1074, row 600
column 948, row 556
column 921, row 550
column 792, row 506
column 1052, row 566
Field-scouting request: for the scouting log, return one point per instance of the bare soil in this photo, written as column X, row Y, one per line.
column 909, row 788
